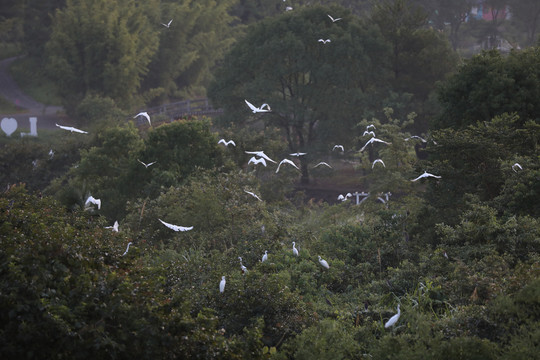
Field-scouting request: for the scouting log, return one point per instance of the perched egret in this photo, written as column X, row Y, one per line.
column 147, row 165
column 372, row 140
column 127, row 249
column 265, row 256
column 72, row 129
column 222, row 284
column 261, row 154
column 253, row 194
column 176, row 227
column 168, row 25
column 294, row 249
column 325, row 41
column 338, row 147
column 256, row 161
column 242, row 267
column 426, row 174
column 227, row 143
column 323, row 262
column 145, row 114
column 286, row 161
column 94, row 201
column 377, row 161
column 322, row 163
column 333, row 20
column 114, row 227
column 263, row 108
column 393, row 319
column 516, row 166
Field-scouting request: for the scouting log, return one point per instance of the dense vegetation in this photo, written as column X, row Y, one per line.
column 458, row 254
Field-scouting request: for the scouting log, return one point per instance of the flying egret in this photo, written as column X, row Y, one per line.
column 147, row 165
column 371, row 126
column 294, row 249
column 516, row 166
column 72, row 129
column 168, row 25
column 333, row 20
column 323, row 262
column 372, row 140
column 127, row 249
column 255, row 109
column 242, row 267
column 322, row 163
column 338, row 147
column 145, row 114
column 393, row 319
column 288, row 8
column 344, row 197
column 176, row 227
column 51, row 154
column 377, row 161
column 261, row 154
column 426, row 174
column 114, row 227
column 256, row 161
column 253, row 194
column 286, row 161
column 222, row 284
column 227, row 143
column 325, row 41
column 94, row 201
column 298, row 154
column 415, row 137
column 368, row 133
column 265, row 256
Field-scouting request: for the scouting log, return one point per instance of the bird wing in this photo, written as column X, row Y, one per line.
column 251, row 106
column 222, row 141
column 175, row 227
column 322, row 163
column 418, row 178
column 368, row 142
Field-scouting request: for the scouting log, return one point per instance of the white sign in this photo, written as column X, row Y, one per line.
column 33, row 127
column 9, row 125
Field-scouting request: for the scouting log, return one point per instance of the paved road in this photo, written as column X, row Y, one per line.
column 47, row 115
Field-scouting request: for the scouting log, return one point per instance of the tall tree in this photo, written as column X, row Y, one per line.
column 102, row 47
column 526, row 14
column 313, row 88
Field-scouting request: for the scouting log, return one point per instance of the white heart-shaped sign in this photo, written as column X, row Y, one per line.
column 9, row 125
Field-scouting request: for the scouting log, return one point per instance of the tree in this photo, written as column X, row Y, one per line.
column 314, row 89
column 526, row 15
column 491, row 84
column 454, row 12
column 101, row 47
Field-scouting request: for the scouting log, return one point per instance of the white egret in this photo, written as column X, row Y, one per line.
column 222, row 284
column 127, row 249
column 114, row 227
column 371, row 126
column 51, row 154
column 265, row 256
column 323, row 262
column 256, row 161
column 294, row 249
column 325, row 41
column 333, row 20
column 253, row 194
column 145, row 114
column 286, row 161
column 168, row 25
column 369, row 133
column 516, row 166
column 344, row 197
column 176, row 227
column 255, row 109
column 338, row 147
column 94, row 201
column 372, row 140
column 377, row 161
column 288, row 8
column 72, row 129
column 415, row 137
column 261, row 154
column 426, row 174
column 322, row 163
column 227, row 143
column 393, row 319
column 242, row 267
column 298, row 154
column 147, row 165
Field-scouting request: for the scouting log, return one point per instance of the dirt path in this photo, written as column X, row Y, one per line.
column 47, row 115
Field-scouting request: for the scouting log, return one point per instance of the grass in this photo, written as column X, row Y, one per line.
column 7, row 107
column 31, row 78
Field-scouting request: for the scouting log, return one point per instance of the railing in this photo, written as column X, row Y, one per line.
column 177, row 110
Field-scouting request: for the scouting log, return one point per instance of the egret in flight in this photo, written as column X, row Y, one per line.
column 263, row 108
column 393, row 319
column 222, row 284
column 516, row 166
column 127, row 249
column 114, row 227
column 94, row 201
column 147, row 165
column 145, row 114
column 286, row 161
column 72, row 129
column 253, row 194
column 256, row 161
column 325, row 41
column 298, row 154
column 261, row 154
column 168, row 25
column 369, row 133
column 176, row 227
column 333, row 20
column 416, row 137
column 378, row 161
column 322, row 163
column 338, row 147
column 372, row 140
column 425, row 175
column 323, row 262
column 227, row 143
